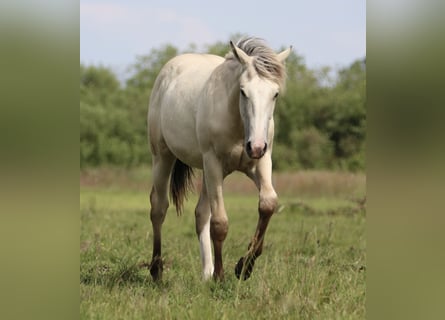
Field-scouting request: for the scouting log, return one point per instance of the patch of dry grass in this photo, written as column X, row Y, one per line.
column 302, row 183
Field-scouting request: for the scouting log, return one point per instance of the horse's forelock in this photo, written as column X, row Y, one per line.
column 265, row 60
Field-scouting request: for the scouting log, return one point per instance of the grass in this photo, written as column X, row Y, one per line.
column 313, row 264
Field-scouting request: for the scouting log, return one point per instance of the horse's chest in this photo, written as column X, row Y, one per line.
column 236, row 159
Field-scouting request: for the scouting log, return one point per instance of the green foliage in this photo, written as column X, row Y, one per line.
column 320, row 118
column 323, row 126
column 147, row 67
column 111, row 131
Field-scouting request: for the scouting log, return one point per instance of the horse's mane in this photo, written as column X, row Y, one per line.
column 265, row 60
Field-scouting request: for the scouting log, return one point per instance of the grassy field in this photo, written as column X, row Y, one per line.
column 313, row 264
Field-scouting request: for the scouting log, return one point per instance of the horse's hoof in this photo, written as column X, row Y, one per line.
column 218, row 277
column 248, row 268
column 156, row 268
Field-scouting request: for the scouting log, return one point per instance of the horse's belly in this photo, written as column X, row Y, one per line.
column 186, row 152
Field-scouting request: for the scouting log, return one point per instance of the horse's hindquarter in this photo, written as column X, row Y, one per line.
column 175, row 104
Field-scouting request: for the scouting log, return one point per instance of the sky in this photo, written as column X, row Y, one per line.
column 325, row 33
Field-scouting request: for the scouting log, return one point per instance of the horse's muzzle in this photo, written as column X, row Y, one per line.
column 256, row 150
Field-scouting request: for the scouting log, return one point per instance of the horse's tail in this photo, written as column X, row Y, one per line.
column 180, row 184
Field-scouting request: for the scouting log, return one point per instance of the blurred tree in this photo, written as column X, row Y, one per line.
column 107, row 134
column 345, row 120
column 98, row 84
column 147, row 67
column 316, row 107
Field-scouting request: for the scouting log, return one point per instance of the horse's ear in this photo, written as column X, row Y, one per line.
column 284, row 54
column 240, row 55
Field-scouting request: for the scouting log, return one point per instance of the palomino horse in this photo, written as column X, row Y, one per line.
column 214, row 114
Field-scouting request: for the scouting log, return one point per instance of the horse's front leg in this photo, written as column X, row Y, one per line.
column 268, row 201
column 202, row 217
column 213, row 175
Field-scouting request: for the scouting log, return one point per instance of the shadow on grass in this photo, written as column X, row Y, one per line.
column 137, row 275
column 120, row 275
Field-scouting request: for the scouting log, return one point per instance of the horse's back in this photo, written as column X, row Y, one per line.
column 173, row 104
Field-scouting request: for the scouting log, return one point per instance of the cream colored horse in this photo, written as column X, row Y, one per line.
column 214, row 114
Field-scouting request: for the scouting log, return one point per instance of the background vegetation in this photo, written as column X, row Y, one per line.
column 320, row 119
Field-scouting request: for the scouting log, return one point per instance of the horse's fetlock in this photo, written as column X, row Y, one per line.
column 156, row 268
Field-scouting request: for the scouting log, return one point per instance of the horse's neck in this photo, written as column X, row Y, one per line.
column 230, row 75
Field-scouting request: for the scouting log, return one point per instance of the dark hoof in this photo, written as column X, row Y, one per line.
column 218, row 277
column 248, row 267
column 156, row 268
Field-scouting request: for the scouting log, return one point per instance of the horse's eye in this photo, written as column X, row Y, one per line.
column 243, row 93
column 275, row 96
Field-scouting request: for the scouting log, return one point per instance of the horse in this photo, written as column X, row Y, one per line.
column 215, row 114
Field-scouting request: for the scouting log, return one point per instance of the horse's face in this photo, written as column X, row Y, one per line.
column 257, row 104
column 257, row 99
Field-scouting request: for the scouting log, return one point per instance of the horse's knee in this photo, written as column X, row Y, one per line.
column 267, row 205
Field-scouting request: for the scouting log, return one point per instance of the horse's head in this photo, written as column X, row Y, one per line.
column 260, row 82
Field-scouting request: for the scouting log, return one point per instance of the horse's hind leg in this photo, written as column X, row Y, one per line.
column 162, row 166
column 267, row 205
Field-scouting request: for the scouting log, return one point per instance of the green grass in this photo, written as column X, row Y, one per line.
column 313, row 264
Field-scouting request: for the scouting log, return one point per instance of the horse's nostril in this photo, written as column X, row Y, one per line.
column 248, row 146
column 265, row 147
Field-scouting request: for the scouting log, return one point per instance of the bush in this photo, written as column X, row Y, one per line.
column 313, row 148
